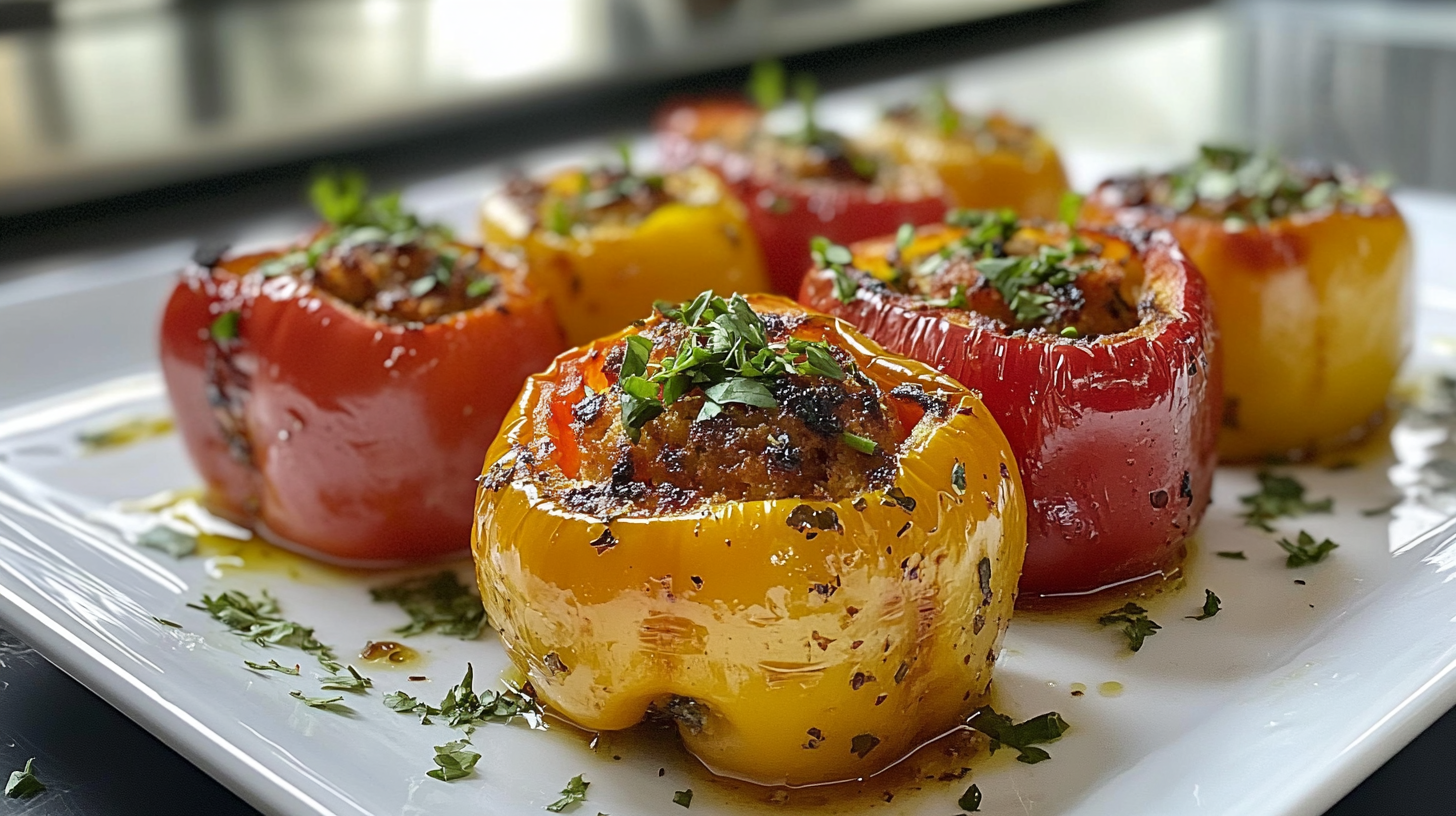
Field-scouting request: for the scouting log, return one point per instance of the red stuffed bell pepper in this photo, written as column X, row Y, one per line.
column 798, row 185
column 339, row 396
column 1095, row 351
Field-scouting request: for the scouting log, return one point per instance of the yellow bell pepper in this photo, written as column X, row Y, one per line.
column 606, row 245
column 985, row 164
column 1313, row 305
column 794, row 641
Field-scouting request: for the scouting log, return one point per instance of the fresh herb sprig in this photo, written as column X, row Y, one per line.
column 440, row 602
column 727, row 355
column 1023, row 736
column 837, row 259
column 1135, row 623
column 1279, row 496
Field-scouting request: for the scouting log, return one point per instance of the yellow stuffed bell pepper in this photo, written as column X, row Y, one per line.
column 807, row 557
column 985, row 163
column 606, row 244
column 1310, row 273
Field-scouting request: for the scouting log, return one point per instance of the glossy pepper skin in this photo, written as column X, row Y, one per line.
column 1115, row 435
column 985, row 165
column 333, row 432
column 789, row 655
column 1314, row 310
column 786, row 212
column 602, row 276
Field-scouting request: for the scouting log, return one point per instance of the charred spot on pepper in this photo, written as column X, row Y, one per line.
column 821, row 641
column 1005, row 471
column 554, row 664
column 815, row 737
column 983, row 570
column 905, row 529
column 858, row 680
column 805, row 518
column 1185, row 488
column 825, row 590
column 881, row 698
column 782, row 453
column 1158, row 498
column 589, row 407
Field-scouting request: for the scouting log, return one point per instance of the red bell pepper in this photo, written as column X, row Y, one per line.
column 1095, row 351
column 337, row 413
column 795, row 187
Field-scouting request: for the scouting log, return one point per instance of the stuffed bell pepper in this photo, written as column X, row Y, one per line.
column 607, row 243
column 798, row 183
column 1309, row 268
column 748, row 518
column 985, row 163
column 1095, row 351
column 336, row 396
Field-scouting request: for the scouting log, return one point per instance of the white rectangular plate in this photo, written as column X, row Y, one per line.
column 1279, row 705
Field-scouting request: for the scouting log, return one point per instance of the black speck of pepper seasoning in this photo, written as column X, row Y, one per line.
column 984, row 568
column 881, row 698
column 697, row 582
column 1299, row 581
column 605, row 541
column 1185, row 490
column 662, row 772
column 1005, row 471
column 904, row 530
column 1158, row 498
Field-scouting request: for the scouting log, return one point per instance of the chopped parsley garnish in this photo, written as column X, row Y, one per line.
column 1236, row 555
column 272, row 665
column 938, row 110
column 1134, row 622
column 859, row 443
column 23, row 783
column 1248, row 186
column 1211, row 606
column 169, row 540
column 728, row 356
column 224, row 327
column 165, row 622
column 1071, row 333
column 258, row 620
column 353, row 681
column 904, row 236
column 1018, row 277
column 462, row 706
column 1304, row 550
column 1023, row 736
column 480, row 287
column 341, row 199
column 125, row 432
column 970, row 801
column 1070, row 207
column 767, row 84
column 832, row 256
column 316, row 702
column 453, row 760
column 574, row 792
column 439, row 602
column 683, row 797
column 1279, row 496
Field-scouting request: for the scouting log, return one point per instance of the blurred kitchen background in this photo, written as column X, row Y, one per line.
column 212, row 109
column 125, row 123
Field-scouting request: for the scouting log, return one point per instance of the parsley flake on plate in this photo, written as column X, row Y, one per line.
column 1134, row 622
column 1023, row 736
column 1304, row 550
column 258, row 620
column 271, row 665
column 439, row 602
column 23, row 783
column 453, row 760
column 353, row 681
column 970, row 801
column 683, row 797
column 1211, row 606
column 325, row 703
column 1279, row 496
column 169, row 540
column 574, row 792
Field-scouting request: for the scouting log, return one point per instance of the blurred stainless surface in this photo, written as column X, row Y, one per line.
column 1373, row 83
column 117, row 95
